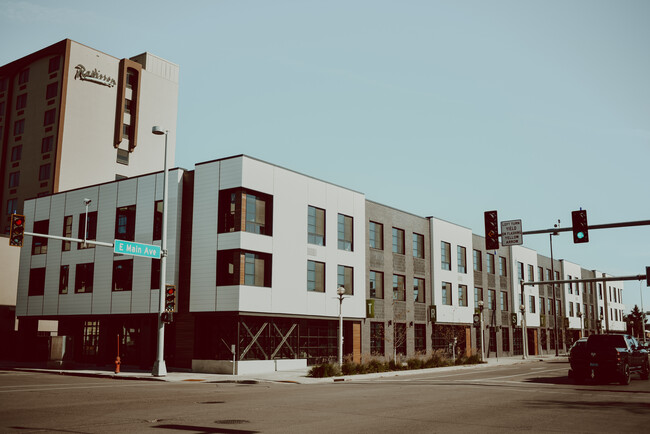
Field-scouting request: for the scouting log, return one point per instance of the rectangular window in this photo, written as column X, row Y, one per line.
column 531, row 273
column 91, row 233
column 49, row 117
column 245, row 210
column 64, row 274
column 14, row 179
column 19, row 127
column 47, row 144
column 570, row 285
column 123, row 275
column 52, row 90
column 39, row 244
column 345, row 233
column 418, row 246
column 155, row 274
column 125, row 223
column 16, row 153
column 377, row 339
column 376, row 284
column 315, row 226
column 570, row 308
column 542, row 306
column 23, row 77
column 420, row 332
column 11, row 205
column 600, row 291
column 398, row 241
column 242, row 267
column 478, row 261
column 445, row 255
column 315, row 276
column 157, row 219
column 504, row 301
column 505, row 339
column 54, row 64
column 492, row 299
column 376, row 235
column 418, row 290
column 549, row 306
column 540, row 274
column 36, row 281
column 520, row 271
column 399, row 287
column 531, row 304
column 503, row 271
column 578, row 287
column 478, row 296
column 462, row 259
column 462, row 295
column 127, row 105
column 446, row 293
column 67, row 232
column 21, row 101
column 345, row 278
column 44, row 172
column 122, row 157
column 84, row 276
column 126, row 131
column 490, row 263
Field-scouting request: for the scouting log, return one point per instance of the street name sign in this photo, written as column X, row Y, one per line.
column 136, row 249
column 511, row 233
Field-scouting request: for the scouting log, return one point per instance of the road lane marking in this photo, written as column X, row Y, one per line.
column 47, row 389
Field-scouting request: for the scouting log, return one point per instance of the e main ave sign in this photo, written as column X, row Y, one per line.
column 136, row 249
column 511, row 233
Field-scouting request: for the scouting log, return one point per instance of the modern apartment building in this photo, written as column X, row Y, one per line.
column 72, row 116
column 257, row 253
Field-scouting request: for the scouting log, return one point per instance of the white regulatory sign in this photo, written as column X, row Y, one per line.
column 511, row 233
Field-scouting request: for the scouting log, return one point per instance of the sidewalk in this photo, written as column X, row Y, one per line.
column 290, row 377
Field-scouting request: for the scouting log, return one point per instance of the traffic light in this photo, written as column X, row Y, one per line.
column 170, row 298
column 167, row 317
column 580, row 226
column 491, row 230
column 17, row 231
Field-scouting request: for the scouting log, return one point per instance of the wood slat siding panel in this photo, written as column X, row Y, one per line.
column 53, row 267
column 140, row 291
column 35, row 305
column 228, row 298
column 203, row 296
column 103, row 279
column 121, row 302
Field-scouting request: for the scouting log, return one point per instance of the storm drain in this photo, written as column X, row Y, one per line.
column 231, row 421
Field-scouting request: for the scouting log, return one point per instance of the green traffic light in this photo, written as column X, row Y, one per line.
column 580, row 235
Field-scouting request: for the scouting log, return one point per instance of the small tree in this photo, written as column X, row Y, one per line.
column 637, row 321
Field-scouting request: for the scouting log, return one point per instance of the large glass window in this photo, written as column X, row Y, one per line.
column 377, row 339
column 478, row 261
column 420, row 332
column 345, row 233
column 123, row 275
column 245, row 210
column 36, row 281
column 445, row 255
column 503, row 269
column 398, row 241
column 39, row 244
column 520, row 271
column 67, row 232
column 462, row 259
column 155, row 274
column 49, row 117
column 345, row 278
column 418, row 290
column 47, row 144
column 51, row 90
column 84, row 275
column 462, row 295
column 376, row 284
column 504, row 301
column 157, row 220
column 478, row 296
column 44, row 172
column 446, row 293
column 399, row 287
column 256, row 270
column 125, row 223
column 91, row 232
column 64, row 274
column 376, row 235
column 316, row 226
column 315, row 276
column 492, row 299
column 418, row 246
column 14, row 179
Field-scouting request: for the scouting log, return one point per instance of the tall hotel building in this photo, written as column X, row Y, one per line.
column 72, row 116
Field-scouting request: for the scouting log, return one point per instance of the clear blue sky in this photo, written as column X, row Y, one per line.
column 532, row 108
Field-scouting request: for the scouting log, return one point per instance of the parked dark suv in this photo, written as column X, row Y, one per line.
column 612, row 357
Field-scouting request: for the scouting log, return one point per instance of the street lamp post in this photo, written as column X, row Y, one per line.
column 555, row 335
column 523, row 328
column 582, row 333
column 480, row 308
column 159, row 368
column 340, row 291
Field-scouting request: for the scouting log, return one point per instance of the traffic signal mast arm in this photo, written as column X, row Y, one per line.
column 591, row 279
column 591, row 227
column 74, row 240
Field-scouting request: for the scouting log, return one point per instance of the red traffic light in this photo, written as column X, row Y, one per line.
column 17, row 230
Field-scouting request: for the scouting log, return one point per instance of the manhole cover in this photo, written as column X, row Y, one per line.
column 230, row 421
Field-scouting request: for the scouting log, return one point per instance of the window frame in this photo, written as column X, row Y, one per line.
column 316, row 225
column 462, row 296
column 399, row 287
column 376, row 284
column 345, row 278
column 36, row 286
column 84, row 278
column 418, row 245
column 419, row 289
column 376, row 235
column 345, row 232
column 122, row 275
column 445, row 255
column 445, row 294
column 315, row 277
column 398, row 241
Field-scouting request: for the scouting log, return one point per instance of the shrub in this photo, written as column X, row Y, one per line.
column 325, row 370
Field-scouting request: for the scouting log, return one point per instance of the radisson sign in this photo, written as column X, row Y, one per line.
column 95, row 76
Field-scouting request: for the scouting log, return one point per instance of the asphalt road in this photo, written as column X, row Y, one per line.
column 533, row 397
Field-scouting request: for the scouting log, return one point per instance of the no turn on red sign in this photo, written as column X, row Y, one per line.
column 511, row 233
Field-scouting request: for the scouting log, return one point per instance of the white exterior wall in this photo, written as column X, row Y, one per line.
column 292, row 194
column 456, row 236
column 574, row 271
column 616, row 323
column 89, row 124
column 141, row 191
column 527, row 257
